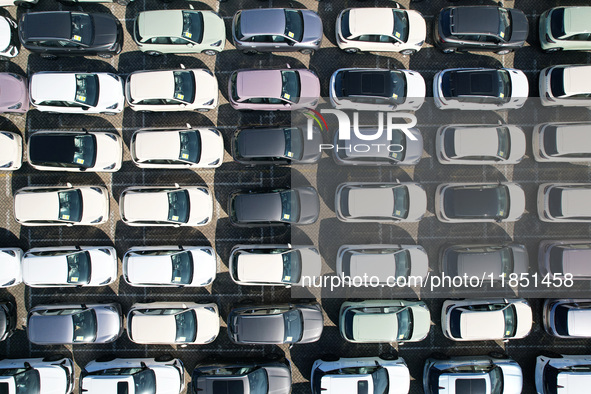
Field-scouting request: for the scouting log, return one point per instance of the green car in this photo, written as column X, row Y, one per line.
column 179, row 31
column 566, row 28
column 378, row 321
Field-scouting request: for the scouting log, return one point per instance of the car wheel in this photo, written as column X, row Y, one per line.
column 503, row 52
column 273, row 356
column 549, row 354
column 24, row 4
column 153, row 53
column 389, row 356
column 48, row 56
column 351, row 50
column 53, row 357
column 249, row 52
column 329, row 358
column 440, row 356
column 209, row 52
column 105, row 359
column 164, row 358
column 448, row 50
column 307, row 51
column 105, row 55
column 408, row 52
column 498, row 355
column 123, row 2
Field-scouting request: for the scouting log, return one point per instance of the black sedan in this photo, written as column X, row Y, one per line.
column 68, row 33
column 299, row 205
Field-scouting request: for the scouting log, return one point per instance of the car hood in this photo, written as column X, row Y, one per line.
column 416, row 89
column 312, row 26
column 168, row 379
column 103, row 266
column 417, row 28
column 417, row 205
column 419, row 266
column 310, row 88
column 208, row 324
column 519, row 85
column 109, row 151
column 312, row 151
column 524, row 320
column 309, row 205
column 512, row 378
column 520, row 260
column 279, row 380
column 53, row 380
column 311, row 264
column 257, row 207
column 111, row 91
column 414, row 149
column 421, row 323
column 106, row 30
column 108, row 324
column 313, row 325
column 517, row 200
column 95, row 205
column 214, row 147
column 213, row 29
column 519, row 25
column 201, row 206
column 13, row 91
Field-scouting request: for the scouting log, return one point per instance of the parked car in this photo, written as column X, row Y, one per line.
column 562, row 372
column 276, row 146
column 52, row 374
column 565, row 28
column 383, row 262
column 385, row 374
column 160, row 375
column 400, row 150
column 276, row 30
column 90, row 151
column 166, row 206
column 273, row 265
column 375, row 321
column 70, row 33
column 380, row 202
column 14, row 94
column 273, row 90
column 565, row 86
column 64, row 324
column 480, row 28
column 170, row 266
column 567, row 317
column 562, row 142
column 276, row 324
column 495, row 373
column 11, row 151
column 479, row 202
column 269, row 376
column 479, row 144
column 491, row 261
column 179, row 31
column 380, row 29
column 299, row 206
column 480, row 89
column 564, row 202
column 77, row 93
column 61, row 205
column 8, row 37
column 8, row 320
column 10, row 263
column 171, row 323
column 177, row 148
column 559, row 257
column 172, row 90
column 377, row 89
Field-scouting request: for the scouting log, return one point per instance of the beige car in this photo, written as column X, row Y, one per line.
column 566, row 85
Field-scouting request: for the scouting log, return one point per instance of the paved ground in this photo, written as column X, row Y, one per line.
column 328, row 234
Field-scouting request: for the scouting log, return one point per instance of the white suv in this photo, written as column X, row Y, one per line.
column 50, row 375
column 562, row 373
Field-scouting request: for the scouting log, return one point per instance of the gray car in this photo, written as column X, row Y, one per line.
column 276, row 324
column 558, row 257
column 277, row 30
column 64, row 324
column 567, row 317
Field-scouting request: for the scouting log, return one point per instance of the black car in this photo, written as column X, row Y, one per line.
column 7, row 319
column 480, row 28
column 68, row 33
column 276, row 145
column 299, row 205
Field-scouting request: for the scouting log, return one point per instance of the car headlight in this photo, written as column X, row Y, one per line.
column 16, row 106
column 317, row 42
column 208, row 251
column 104, row 283
column 213, row 163
column 111, row 136
column 209, row 308
column 217, row 44
column 113, row 106
column 16, row 76
column 7, row 165
column 97, row 220
column 9, row 135
column 10, row 252
column 207, row 71
column 215, row 131
column 97, row 189
column 204, row 220
column 420, row 44
column 110, row 167
column 9, row 283
column 210, row 102
column 105, row 251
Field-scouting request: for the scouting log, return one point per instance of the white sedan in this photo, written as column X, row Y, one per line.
column 178, row 266
column 70, row 266
column 53, row 374
column 11, row 151
column 177, row 148
column 10, row 267
column 77, row 93
column 166, row 206
column 61, row 205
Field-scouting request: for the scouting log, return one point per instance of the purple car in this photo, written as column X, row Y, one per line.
column 273, row 90
column 14, row 96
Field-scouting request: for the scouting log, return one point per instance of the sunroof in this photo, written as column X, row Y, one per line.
column 471, row 386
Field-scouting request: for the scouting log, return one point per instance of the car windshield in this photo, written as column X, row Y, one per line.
column 82, row 30
column 555, row 202
column 557, row 23
column 78, row 267
column 186, row 326
column 290, row 88
column 70, row 203
column 292, row 320
column 510, row 315
column 380, row 381
column 294, row 144
column 504, row 142
column 400, row 25
column 507, row 264
column 504, row 85
column 405, row 323
column 400, row 202
column 550, row 140
column 557, row 82
column 503, row 202
column 144, row 382
column 292, row 267
column 182, row 268
column 345, row 29
column 87, row 89
column 504, row 24
column 85, row 326
column 184, row 86
column 290, row 206
column 561, row 313
column 402, row 263
column 496, row 380
column 398, row 138
column 294, row 24
column 178, row 206
column 193, row 26
column 190, row 142
column 258, row 382
column 26, row 380
column 397, row 87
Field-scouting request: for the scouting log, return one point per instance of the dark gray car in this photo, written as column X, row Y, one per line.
column 276, row 324
column 277, row 30
column 299, row 205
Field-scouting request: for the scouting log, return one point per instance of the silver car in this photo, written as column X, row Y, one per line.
column 558, row 257
column 564, row 202
column 567, row 317
column 562, row 142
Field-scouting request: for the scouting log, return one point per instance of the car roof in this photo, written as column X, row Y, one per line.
column 149, row 269
column 255, row 267
column 375, row 326
column 37, row 205
column 575, row 202
column 53, row 86
column 151, row 85
column 262, row 142
column 577, row 80
column 261, row 328
column 50, row 328
column 153, row 328
column 50, row 24
column 267, row 21
column 475, row 200
column 576, row 20
column 379, row 265
column 481, row 142
column 346, row 383
column 265, row 206
column 371, row 202
column 572, row 382
column 367, row 82
column 478, row 263
column 54, row 147
column 161, row 23
column 579, row 322
column 146, row 206
column 482, row 324
column 46, row 269
column 153, row 145
column 476, row 20
column 475, row 82
column 371, row 21
column 576, row 262
column 258, row 83
column 573, row 138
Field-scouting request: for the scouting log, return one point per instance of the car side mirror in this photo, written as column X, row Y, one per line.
column 28, row 366
column 287, row 105
column 190, row 45
column 290, row 43
column 143, row 365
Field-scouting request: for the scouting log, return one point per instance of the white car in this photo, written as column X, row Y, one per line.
column 172, row 90
column 566, row 85
column 171, row 323
column 160, row 375
column 171, row 266
column 177, row 148
column 61, row 205
column 564, row 202
column 77, row 92
column 384, row 374
column 49, row 375
column 380, row 29
column 562, row 373
column 11, row 151
column 70, row 266
column 562, row 142
column 377, row 89
column 479, row 144
column 486, row 320
column 75, row 151
column 8, row 37
column 166, row 206
column 484, row 89
column 10, row 267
